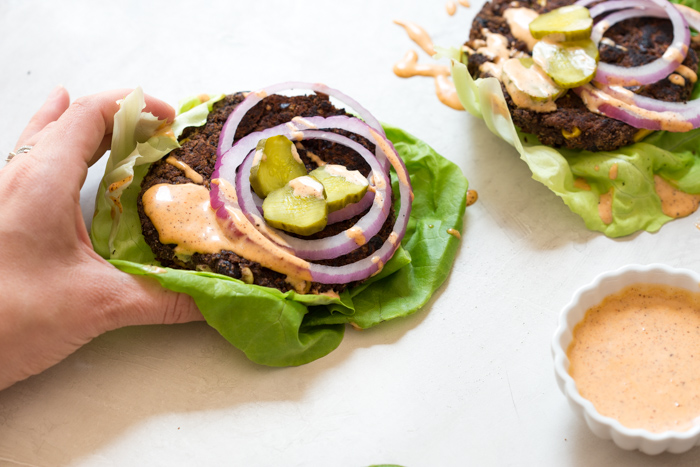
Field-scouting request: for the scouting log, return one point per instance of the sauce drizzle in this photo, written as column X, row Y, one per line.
column 675, row 203
column 409, row 67
column 186, row 169
column 472, row 196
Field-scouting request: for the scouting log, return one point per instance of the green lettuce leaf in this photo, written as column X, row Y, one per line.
column 439, row 204
column 635, row 204
column 275, row 328
column 138, row 139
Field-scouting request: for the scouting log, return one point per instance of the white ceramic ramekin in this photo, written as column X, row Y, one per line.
column 591, row 295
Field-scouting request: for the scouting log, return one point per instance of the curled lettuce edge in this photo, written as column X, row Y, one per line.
column 635, row 204
column 271, row 327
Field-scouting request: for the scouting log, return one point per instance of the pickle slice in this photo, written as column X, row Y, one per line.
column 569, row 64
column 568, row 23
column 342, row 186
column 299, row 207
column 525, row 80
column 275, row 163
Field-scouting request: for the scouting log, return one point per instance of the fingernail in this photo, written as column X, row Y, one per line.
column 55, row 92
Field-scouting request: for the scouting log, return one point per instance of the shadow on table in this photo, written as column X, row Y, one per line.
column 127, row 376
column 587, row 450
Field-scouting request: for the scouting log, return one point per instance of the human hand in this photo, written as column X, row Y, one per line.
column 57, row 293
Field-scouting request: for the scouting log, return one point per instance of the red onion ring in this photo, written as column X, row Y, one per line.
column 323, row 248
column 598, row 101
column 360, row 270
column 658, row 69
column 352, row 210
column 600, row 28
column 228, row 131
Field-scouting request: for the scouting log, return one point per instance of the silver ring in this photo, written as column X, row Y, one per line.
column 21, row 150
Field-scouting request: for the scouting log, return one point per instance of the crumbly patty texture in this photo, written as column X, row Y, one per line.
column 636, row 42
column 198, row 150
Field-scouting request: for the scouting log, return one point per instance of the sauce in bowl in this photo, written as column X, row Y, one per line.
column 636, row 357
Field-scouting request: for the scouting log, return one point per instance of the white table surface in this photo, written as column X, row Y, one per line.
column 467, row 380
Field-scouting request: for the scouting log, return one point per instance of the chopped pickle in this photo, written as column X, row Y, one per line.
column 569, row 23
column 299, row 207
column 275, row 163
column 569, row 64
column 528, row 85
column 342, row 186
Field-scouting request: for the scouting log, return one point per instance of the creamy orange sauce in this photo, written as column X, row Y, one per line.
column 676, row 79
column 444, row 88
column 357, row 235
column 316, row 160
column 675, row 203
column 495, row 48
column 581, row 184
column 182, row 215
column 186, row 169
column 519, row 20
column 116, row 199
column 418, row 35
column 472, row 197
column 455, row 233
column 636, row 357
column 380, row 264
column 307, row 187
column 409, row 67
column 464, row 3
column 451, row 8
column 687, row 73
column 605, row 207
column 612, row 173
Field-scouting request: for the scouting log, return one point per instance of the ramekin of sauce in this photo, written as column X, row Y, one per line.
column 627, row 357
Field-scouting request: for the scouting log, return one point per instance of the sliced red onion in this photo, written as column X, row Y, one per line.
column 690, row 15
column 598, row 101
column 585, row 2
column 323, row 248
column 685, row 109
column 352, row 210
column 228, row 131
column 229, row 213
column 658, row 69
column 600, row 28
column 370, row 265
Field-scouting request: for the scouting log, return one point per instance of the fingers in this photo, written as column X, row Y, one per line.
column 79, row 136
column 50, row 111
column 142, row 300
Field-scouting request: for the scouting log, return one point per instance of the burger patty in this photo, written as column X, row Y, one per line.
column 198, row 150
column 632, row 42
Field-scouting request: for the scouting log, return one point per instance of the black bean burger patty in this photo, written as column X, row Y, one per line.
column 632, row 42
column 199, row 152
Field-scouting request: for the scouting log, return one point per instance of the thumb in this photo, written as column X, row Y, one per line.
column 144, row 301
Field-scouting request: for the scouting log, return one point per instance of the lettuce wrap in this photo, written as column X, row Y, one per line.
column 271, row 327
column 635, row 203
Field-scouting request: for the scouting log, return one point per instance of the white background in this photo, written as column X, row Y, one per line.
column 467, row 380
